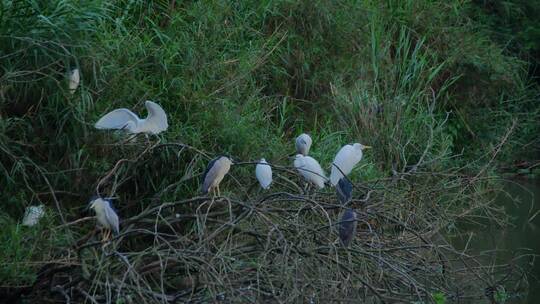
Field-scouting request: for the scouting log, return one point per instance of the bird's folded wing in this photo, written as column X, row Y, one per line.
column 116, row 119
column 113, row 220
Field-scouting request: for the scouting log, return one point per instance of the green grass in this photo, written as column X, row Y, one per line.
column 25, row 250
column 243, row 78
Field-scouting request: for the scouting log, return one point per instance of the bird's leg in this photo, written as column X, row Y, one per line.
column 129, row 139
column 305, row 188
column 218, row 192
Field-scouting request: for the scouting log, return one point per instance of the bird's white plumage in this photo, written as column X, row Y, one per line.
column 303, row 144
column 74, row 80
column 310, row 169
column 263, row 172
column 32, row 215
column 105, row 215
column 154, row 123
column 347, row 157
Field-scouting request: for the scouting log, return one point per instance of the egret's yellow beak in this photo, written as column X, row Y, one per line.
column 367, row 147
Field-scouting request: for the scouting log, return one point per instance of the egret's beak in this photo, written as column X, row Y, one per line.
column 367, row 147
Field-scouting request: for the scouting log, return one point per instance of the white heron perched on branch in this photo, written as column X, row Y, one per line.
column 345, row 160
column 106, row 216
column 124, row 119
column 310, row 169
column 214, row 174
column 303, row 143
column 263, row 172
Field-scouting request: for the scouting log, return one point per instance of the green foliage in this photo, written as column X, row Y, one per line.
column 25, row 249
column 501, row 296
column 514, row 21
column 439, row 298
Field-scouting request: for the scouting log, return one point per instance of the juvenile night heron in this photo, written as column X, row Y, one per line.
column 74, row 80
column 347, row 157
column 124, row 119
column 344, row 190
column 214, row 174
column 310, row 169
column 303, row 143
column 32, row 215
column 347, row 227
column 106, row 216
column 263, row 172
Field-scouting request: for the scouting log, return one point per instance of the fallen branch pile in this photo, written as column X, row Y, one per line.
column 283, row 247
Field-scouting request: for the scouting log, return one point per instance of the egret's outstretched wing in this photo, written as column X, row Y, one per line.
column 156, row 116
column 345, row 159
column 117, row 119
column 112, row 218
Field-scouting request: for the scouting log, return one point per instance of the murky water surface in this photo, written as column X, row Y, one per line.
column 522, row 202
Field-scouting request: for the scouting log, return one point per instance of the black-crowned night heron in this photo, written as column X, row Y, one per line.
column 347, row 227
column 310, row 169
column 74, row 80
column 106, row 216
column 346, row 159
column 344, row 190
column 214, row 174
column 303, row 143
column 263, row 172
column 124, row 119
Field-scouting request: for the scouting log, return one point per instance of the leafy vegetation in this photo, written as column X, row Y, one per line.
column 424, row 82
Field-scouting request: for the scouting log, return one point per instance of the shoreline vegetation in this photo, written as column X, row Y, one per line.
column 446, row 105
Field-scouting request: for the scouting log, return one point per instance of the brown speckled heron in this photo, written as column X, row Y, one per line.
column 214, row 174
column 347, row 227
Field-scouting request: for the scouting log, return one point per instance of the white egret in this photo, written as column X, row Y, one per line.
column 106, row 216
column 214, row 174
column 74, row 80
column 347, row 227
column 154, row 123
column 347, row 157
column 32, row 215
column 310, row 169
column 263, row 172
column 303, row 143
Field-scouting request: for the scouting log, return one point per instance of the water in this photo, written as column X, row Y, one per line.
column 522, row 203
